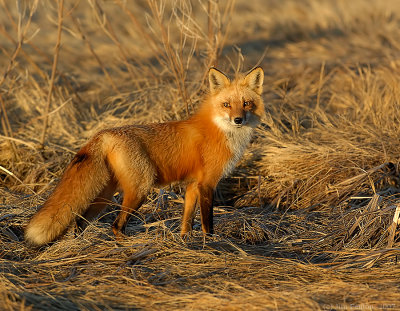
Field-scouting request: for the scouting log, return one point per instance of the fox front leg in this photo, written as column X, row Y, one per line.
column 206, row 209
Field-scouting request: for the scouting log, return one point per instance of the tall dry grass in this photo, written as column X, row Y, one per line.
column 308, row 220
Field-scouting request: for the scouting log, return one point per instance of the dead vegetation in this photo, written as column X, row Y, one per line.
column 308, row 220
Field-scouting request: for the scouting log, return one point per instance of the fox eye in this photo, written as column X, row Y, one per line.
column 246, row 104
column 227, row 105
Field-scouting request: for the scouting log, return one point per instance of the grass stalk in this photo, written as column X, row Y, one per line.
column 92, row 51
column 53, row 72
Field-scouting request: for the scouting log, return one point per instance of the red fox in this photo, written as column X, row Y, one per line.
column 198, row 151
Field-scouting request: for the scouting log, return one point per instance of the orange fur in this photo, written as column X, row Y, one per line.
column 198, row 151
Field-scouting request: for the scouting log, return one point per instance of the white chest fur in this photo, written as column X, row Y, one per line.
column 238, row 139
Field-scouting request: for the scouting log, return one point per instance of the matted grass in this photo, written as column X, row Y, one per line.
column 307, row 221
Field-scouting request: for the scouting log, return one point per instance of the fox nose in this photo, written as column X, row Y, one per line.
column 238, row 120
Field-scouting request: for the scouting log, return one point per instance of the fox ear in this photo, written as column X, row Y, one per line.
column 217, row 79
column 254, row 79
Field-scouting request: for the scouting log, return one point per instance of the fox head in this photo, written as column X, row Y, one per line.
column 237, row 103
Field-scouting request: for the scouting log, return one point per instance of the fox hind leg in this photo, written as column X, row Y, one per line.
column 131, row 203
column 135, row 174
column 135, row 183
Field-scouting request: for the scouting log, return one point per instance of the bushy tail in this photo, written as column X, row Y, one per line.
column 82, row 181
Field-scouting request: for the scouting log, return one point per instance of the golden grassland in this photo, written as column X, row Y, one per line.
column 307, row 221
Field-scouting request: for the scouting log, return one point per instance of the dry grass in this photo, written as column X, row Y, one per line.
column 308, row 220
